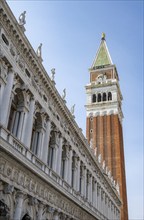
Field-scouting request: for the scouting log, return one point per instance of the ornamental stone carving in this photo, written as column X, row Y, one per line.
column 22, row 20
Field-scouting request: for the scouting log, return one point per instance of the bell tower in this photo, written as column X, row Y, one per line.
column 104, row 118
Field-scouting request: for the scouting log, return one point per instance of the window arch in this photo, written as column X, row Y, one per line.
column 99, row 97
column 5, row 211
column 16, row 116
column 104, row 96
column 26, row 217
column 94, row 98
column 109, row 96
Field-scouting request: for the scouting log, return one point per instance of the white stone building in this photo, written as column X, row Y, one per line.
column 47, row 168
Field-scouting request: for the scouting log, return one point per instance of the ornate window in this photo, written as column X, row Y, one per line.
column 5, row 39
column 16, row 117
column 99, row 97
column 109, row 96
column 26, row 217
column 93, row 98
column 104, row 96
column 52, row 148
column 4, row 211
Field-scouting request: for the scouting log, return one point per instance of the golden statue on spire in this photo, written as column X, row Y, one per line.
column 103, row 36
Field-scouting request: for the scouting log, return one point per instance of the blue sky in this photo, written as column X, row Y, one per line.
column 70, row 32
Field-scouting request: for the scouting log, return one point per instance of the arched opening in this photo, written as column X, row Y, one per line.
column 93, row 98
column 4, row 211
column 36, row 134
column 99, row 97
column 16, row 116
column 26, row 217
column 104, row 96
column 109, row 96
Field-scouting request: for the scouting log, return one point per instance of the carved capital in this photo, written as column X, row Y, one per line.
column 8, row 189
column 33, row 201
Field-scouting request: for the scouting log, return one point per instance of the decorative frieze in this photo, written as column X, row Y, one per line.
column 30, row 184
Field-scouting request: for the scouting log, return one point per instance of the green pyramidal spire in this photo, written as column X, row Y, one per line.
column 103, row 57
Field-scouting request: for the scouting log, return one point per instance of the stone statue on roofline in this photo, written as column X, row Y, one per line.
column 109, row 174
column 95, row 151
column 99, row 158
column 91, row 143
column 52, row 74
column 72, row 109
column 64, row 94
column 103, row 165
column 106, row 170
column 22, row 20
column 39, row 51
column 117, row 188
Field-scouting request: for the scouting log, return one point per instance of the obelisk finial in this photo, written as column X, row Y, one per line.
column 103, row 36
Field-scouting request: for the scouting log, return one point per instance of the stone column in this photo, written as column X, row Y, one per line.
column 28, row 128
column 75, row 172
column 55, row 149
column 82, row 181
column 16, row 123
column 103, row 202
column 18, row 207
column 46, row 142
column 55, row 156
column 1, row 94
column 6, row 99
column 95, row 194
column 20, row 127
column 50, row 212
column 78, row 174
column 40, row 211
column 70, row 165
column 85, row 181
column 67, row 163
column 39, row 145
column 90, row 188
column 98, row 196
column 66, row 169
column 100, row 202
column 56, row 215
column 59, row 157
column 34, row 141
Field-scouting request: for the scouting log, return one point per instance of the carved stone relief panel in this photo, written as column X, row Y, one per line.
column 30, row 183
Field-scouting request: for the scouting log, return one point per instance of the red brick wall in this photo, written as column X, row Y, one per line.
column 108, row 138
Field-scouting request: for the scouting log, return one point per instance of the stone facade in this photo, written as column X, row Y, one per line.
column 47, row 168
